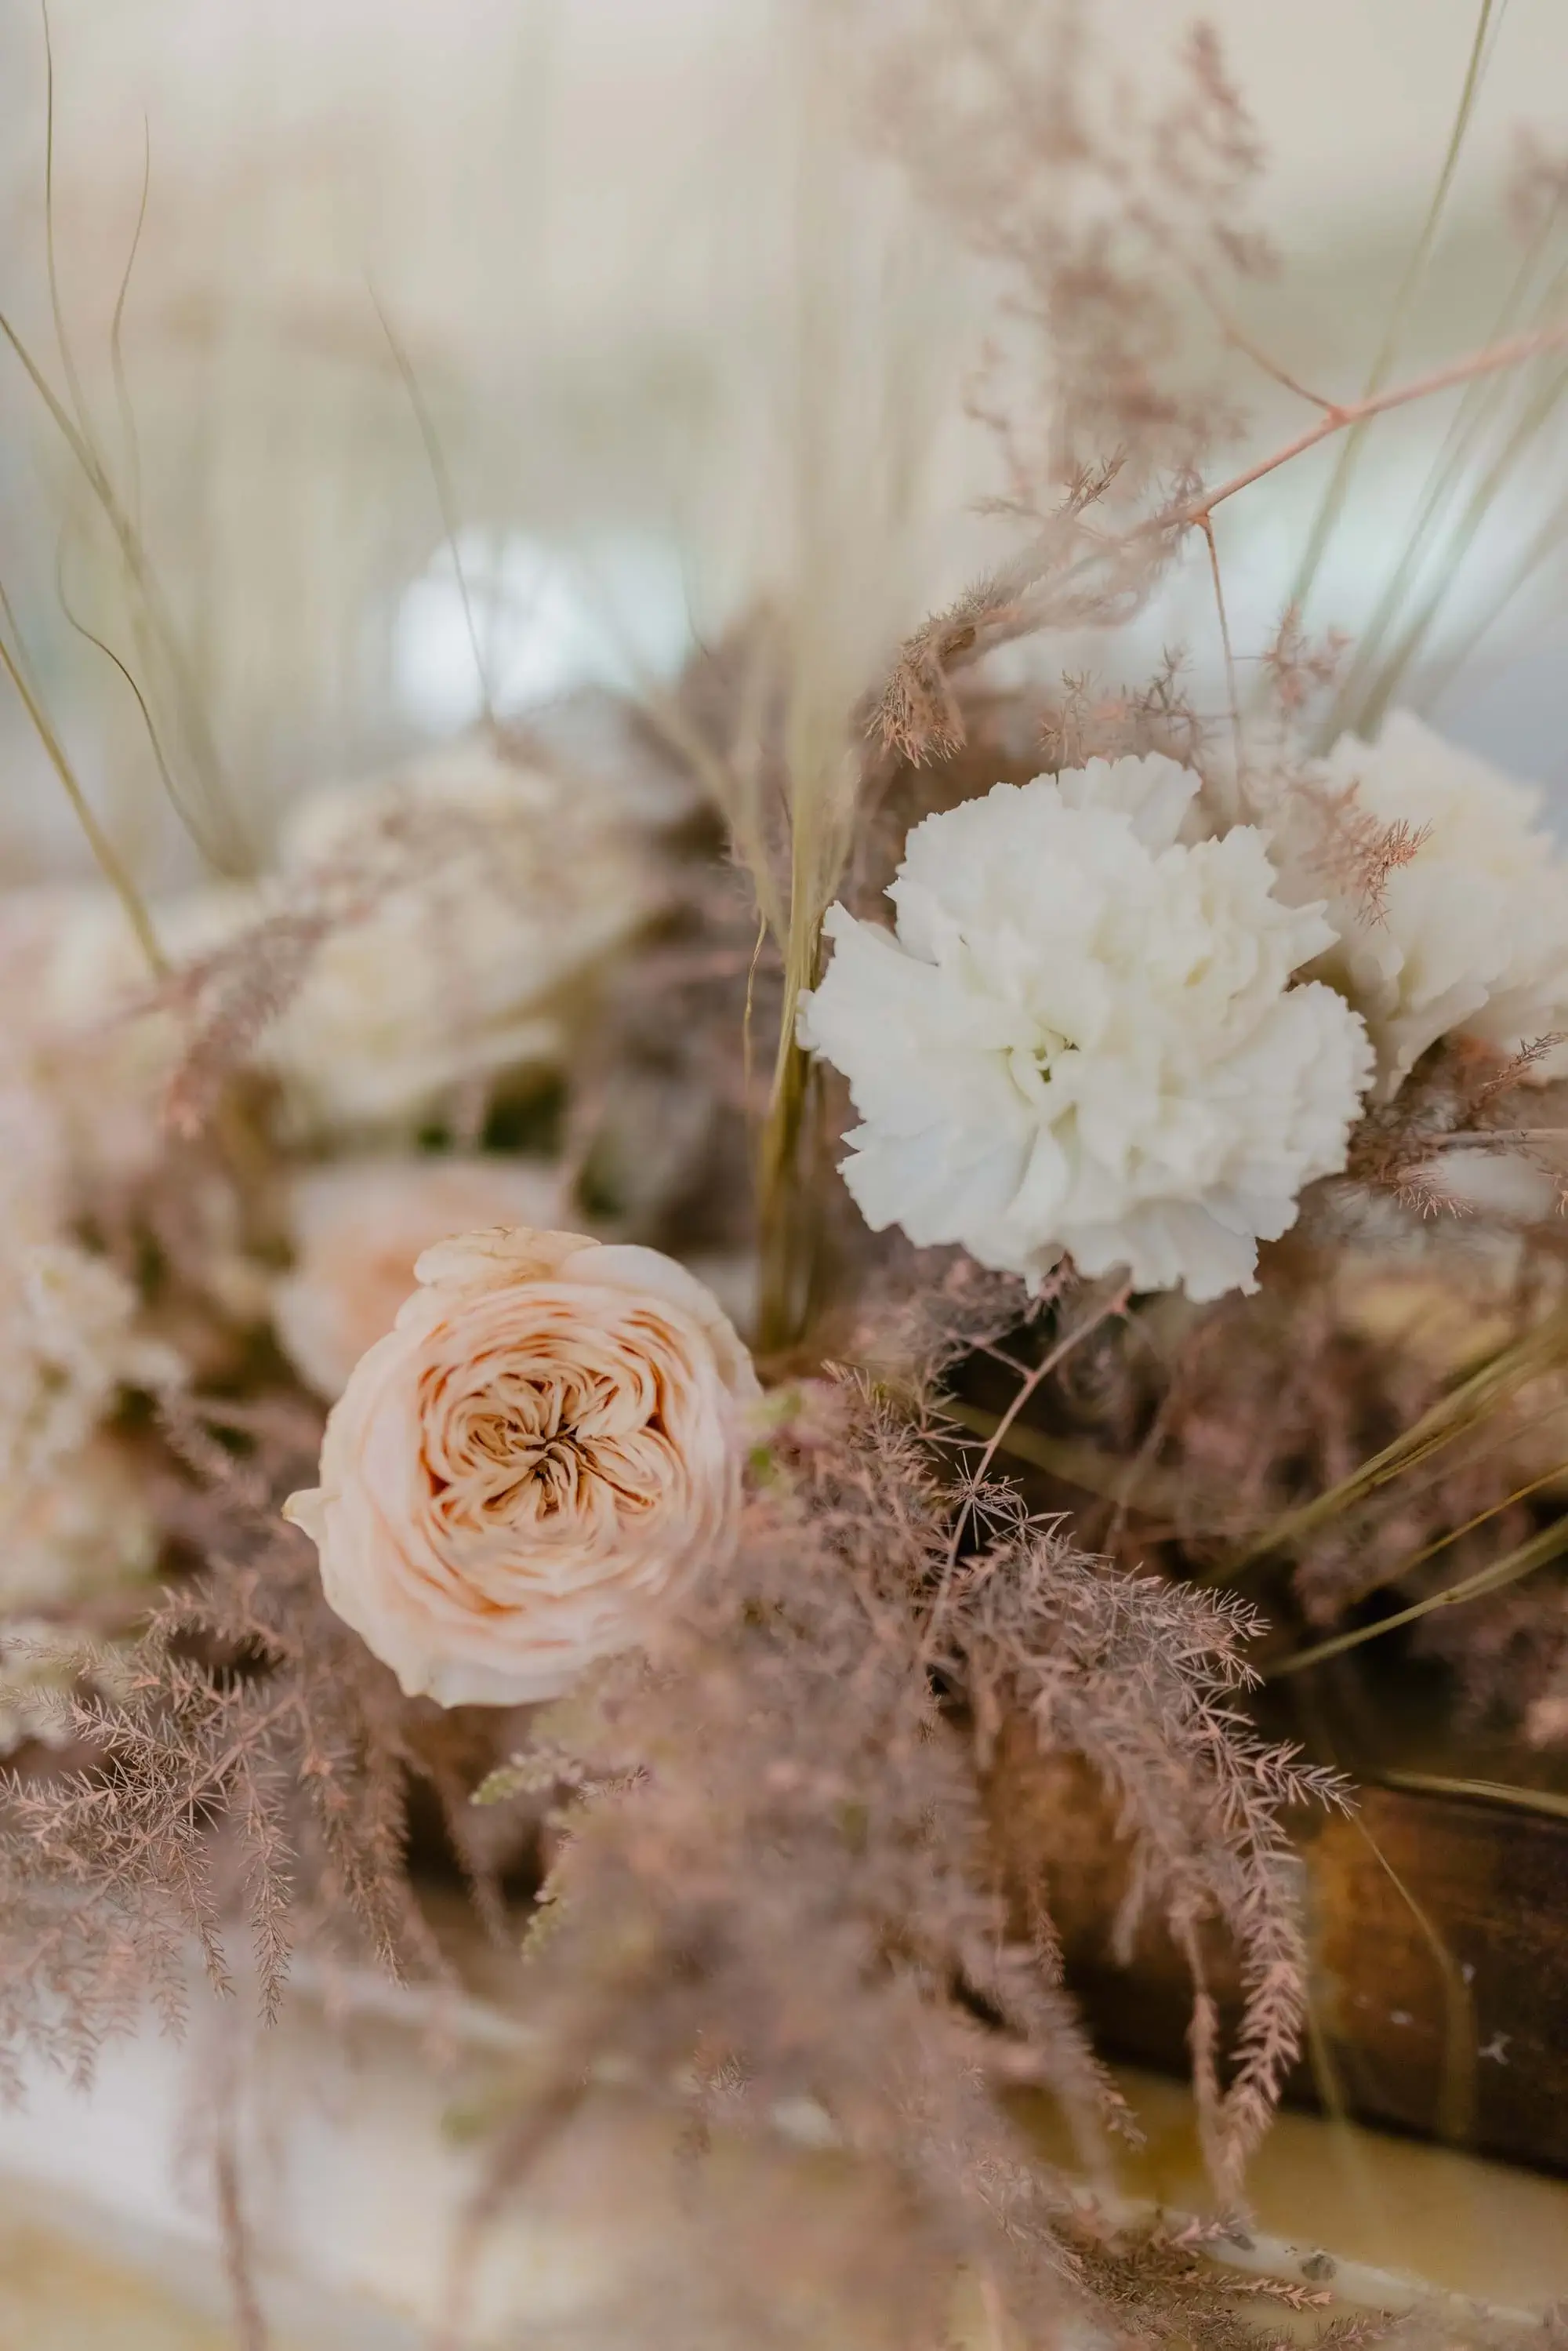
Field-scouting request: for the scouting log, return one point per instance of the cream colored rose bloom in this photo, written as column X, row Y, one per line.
column 358, row 1225
column 473, row 952
column 543, row 1453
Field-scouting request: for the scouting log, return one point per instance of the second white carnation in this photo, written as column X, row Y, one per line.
column 1472, row 932
column 1082, row 1037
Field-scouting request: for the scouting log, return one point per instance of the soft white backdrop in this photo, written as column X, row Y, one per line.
column 575, row 213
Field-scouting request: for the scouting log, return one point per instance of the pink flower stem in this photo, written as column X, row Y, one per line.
column 1337, row 417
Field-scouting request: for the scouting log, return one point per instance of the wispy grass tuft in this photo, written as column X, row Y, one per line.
column 160, row 643
column 1466, row 1408
column 106, row 857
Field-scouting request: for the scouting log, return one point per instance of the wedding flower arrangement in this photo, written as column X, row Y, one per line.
column 1082, row 1102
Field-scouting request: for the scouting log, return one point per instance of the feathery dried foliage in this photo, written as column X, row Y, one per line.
column 251, row 1763
column 1114, row 225
column 1157, row 718
column 1353, row 851
column 775, row 1897
column 1461, row 1095
column 1073, row 573
column 1386, row 1417
column 1141, row 1679
column 994, row 740
column 929, row 1309
column 1166, row 2286
column 1297, row 669
column 782, row 1901
column 1344, row 848
column 1103, row 209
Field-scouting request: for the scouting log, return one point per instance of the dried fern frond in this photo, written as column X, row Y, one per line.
column 251, row 1767
column 1140, row 1678
column 775, row 1881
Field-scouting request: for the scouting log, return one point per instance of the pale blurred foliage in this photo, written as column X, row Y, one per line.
column 614, row 241
column 583, row 224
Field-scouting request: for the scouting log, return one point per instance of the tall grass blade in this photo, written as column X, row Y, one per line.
column 1549, row 1544
column 1399, row 316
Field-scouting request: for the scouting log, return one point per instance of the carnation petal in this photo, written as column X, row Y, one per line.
column 1470, row 933
column 1083, row 1036
column 1154, row 792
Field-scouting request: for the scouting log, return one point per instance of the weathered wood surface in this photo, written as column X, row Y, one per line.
column 1439, row 1927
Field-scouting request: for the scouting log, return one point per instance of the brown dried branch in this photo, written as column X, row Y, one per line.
column 1099, row 209
column 1070, row 575
column 1299, row 668
column 1088, row 723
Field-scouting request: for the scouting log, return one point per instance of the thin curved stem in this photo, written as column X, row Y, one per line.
column 1549, row 1544
column 1495, row 1792
column 165, row 773
column 102, row 848
column 140, row 570
column 1399, row 317
column 117, row 335
column 1207, row 527
column 446, row 499
column 56, row 308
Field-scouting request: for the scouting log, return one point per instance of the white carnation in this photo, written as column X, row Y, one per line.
column 1083, row 1037
column 1472, row 933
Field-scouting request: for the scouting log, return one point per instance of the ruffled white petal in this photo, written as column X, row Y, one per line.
column 1083, row 1037
column 1472, row 933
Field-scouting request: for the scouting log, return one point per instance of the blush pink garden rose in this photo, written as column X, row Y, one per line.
column 542, row 1454
column 360, row 1225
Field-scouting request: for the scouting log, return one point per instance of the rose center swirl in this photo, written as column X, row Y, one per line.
column 524, row 1445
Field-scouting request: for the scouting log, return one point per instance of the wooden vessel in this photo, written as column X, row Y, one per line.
column 1439, row 1931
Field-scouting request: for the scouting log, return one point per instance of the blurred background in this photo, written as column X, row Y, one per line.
column 549, row 282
